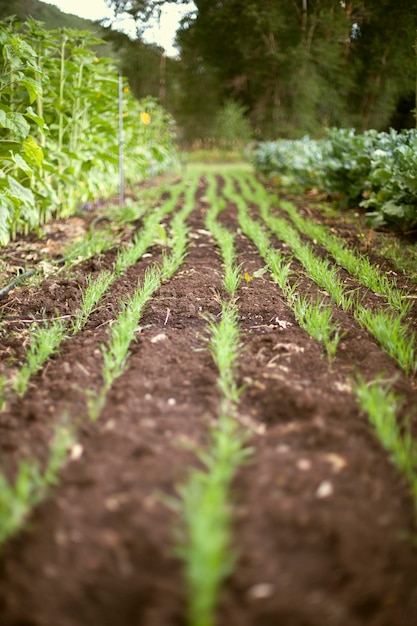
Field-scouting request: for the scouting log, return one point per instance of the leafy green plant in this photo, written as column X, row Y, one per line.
column 22, row 157
column 231, row 128
column 374, row 169
column 65, row 153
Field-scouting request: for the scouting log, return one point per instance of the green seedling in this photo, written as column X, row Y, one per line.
column 91, row 296
column 123, row 330
column 224, row 347
column 388, row 328
column 31, row 484
column 206, row 512
column 116, row 353
column 44, row 343
column 317, row 319
column 382, row 407
column 232, row 278
column 357, row 265
column 394, row 336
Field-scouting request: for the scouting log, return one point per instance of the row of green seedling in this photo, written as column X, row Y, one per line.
column 45, row 340
column 223, row 237
column 31, row 484
column 315, row 316
column 383, row 408
column 122, row 333
column 205, row 543
column 102, row 240
column 356, row 264
column 376, row 398
column 388, row 327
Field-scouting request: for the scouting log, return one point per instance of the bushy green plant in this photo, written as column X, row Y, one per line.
column 376, row 170
column 231, row 128
column 290, row 161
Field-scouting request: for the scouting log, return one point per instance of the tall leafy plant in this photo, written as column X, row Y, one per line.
column 21, row 155
column 59, row 126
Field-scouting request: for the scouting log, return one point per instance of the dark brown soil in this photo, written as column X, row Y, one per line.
column 324, row 523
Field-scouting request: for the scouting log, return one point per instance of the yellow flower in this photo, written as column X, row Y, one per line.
column 126, row 90
column 96, row 59
column 146, row 118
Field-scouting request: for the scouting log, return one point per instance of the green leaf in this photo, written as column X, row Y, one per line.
column 22, row 164
column 32, row 87
column 39, row 121
column 17, row 124
column 393, row 210
column 33, row 151
column 17, row 190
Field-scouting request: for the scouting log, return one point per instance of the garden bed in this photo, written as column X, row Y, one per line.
column 323, row 522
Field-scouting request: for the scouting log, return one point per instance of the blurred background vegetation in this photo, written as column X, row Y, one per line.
column 262, row 69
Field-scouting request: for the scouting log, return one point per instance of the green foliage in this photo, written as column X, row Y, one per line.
column 378, row 171
column 290, row 162
column 59, row 125
column 387, row 327
column 300, row 67
column 206, row 522
column 224, row 239
column 356, row 264
column 94, row 291
column 393, row 334
column 115, row 355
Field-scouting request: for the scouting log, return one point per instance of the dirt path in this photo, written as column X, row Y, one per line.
column 324, row 523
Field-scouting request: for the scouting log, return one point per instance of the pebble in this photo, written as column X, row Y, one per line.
column 261, row 591
column 76, row 452
column 304, row 465
column 324, row 490
column 158, row 338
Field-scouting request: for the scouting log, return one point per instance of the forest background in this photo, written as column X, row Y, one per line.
column 263, row 69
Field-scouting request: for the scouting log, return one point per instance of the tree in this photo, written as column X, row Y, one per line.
column 295, row 65
column 142, row 10
column 299, row 65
